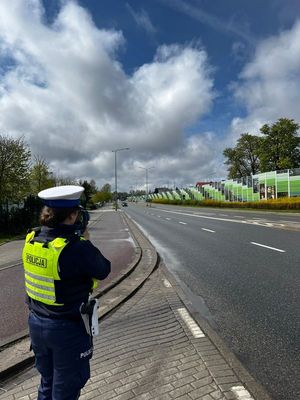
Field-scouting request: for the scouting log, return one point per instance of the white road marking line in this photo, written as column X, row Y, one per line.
column 241, row 393
column 169, row 219
column 238, row 221
column 183, row 223
column 207, row 230
column 167, row 283
column 223, row 215
column 268, row 247
column 159, row 216
column 290, row 222
column 190, row 323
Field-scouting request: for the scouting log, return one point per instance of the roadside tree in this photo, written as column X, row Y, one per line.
column 14, row 169
column 104, row 195
column 90, row 189
column 40, row 175
column 243, row 159
column 280, row 145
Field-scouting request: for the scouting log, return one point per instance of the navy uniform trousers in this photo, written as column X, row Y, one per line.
column 62, row 351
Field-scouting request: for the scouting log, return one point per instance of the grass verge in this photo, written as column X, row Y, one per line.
column 283, row 204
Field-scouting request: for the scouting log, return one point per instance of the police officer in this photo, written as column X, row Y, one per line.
column 61, row 267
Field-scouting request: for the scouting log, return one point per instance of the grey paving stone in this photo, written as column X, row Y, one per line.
column 216, row 363
column 126, row 388
column 124, row 396
column 106, row 396
column 202, row 382
column 116, row 376
column 217, row 395
column 161, row 390
column 207, row 397
column 200, row 392
column 24, row 393
column 162, row 397
column 217, row 368
column 188, row 365
column 146, row 352
column 183, row 381
column 109, row 387
column 90, row 395
column 181, row 391
column 201, row 374
column 23, row 398
column 96, row 376
column 189, row 359
column 223, row 372
column 217, row 357
column 226, row 379
column 7, row 397
column 144, row 396
column 187, row 372
column 209, row 352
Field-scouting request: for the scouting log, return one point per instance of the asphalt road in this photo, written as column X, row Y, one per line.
column 242, row 270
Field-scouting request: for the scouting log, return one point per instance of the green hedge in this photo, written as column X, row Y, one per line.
column 278, row 204
column 17, row 220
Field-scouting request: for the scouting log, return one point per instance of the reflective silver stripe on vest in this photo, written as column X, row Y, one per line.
column 40, row 278
column 41, row 295
column 36, row 285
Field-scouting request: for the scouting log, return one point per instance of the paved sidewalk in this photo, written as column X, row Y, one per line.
column 150, row 348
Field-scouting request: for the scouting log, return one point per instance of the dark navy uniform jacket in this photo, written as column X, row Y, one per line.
column 79, row 262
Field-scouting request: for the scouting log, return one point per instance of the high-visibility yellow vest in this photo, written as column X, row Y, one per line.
column 40, row 262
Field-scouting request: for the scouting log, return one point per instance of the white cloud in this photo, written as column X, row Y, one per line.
column 70, row 97
column 185, row 165
column 142, row 19
column 269, row 84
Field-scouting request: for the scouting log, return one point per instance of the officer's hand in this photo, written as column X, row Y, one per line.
column 86, row 234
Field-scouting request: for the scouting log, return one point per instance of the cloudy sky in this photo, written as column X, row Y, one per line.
column 176, row 81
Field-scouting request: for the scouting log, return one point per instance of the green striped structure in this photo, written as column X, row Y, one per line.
column 267, row 185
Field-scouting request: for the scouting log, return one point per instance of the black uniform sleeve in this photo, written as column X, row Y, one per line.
column 82, row 259
column 97, row 266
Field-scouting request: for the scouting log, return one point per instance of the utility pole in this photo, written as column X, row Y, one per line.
column 147, row 189
column 116, row 176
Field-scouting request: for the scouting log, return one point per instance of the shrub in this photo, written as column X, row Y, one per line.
column 285, row 203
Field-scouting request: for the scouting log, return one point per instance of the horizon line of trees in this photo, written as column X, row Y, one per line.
column 23, row 176
column 276, row 149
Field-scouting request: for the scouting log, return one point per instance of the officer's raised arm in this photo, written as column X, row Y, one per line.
column 96, row 264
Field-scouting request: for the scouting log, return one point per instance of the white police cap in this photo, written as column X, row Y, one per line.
column 62, row 196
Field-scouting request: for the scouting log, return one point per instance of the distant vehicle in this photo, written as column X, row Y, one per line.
column 124, row 204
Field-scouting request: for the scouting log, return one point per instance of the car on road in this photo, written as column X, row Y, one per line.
column 124, row 204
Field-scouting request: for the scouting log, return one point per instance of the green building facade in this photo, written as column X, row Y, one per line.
column 264, row 186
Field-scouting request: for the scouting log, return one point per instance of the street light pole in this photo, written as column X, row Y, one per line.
column 147, row 169
column 116, row 178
